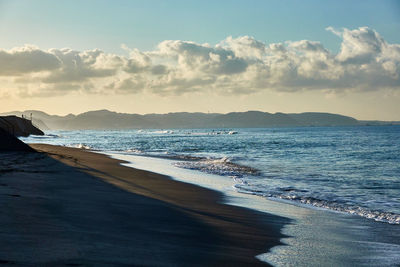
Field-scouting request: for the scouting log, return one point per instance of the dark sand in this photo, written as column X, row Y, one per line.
column 71, row 207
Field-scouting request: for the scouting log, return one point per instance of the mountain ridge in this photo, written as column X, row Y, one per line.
column 106, row 119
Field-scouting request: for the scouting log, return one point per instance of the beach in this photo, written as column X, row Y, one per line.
column 200, row 133
column 68, row 206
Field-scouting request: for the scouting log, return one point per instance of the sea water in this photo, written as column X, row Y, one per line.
column 338, row 186
column 348, row 169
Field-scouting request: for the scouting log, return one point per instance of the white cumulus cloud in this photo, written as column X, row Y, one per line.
column 241, row 65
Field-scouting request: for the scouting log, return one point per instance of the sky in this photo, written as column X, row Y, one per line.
column 201, row 56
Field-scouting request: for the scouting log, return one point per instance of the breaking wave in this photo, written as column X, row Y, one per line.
column 380, row 216
column 81, row 146
column 220, row 166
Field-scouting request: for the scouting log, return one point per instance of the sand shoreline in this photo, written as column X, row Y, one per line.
column 120, row 215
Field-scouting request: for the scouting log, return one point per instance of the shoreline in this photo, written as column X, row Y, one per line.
column 281, row 179
column 314, row 235
column 208, row 231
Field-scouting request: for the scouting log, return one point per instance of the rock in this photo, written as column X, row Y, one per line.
column 18, row 126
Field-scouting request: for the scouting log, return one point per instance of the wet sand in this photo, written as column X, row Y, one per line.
column 67, row 206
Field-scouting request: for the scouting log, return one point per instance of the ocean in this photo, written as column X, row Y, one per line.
column 354, row 170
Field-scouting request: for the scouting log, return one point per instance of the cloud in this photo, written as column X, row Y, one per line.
column 80, row 66
column 46, row 90
column 359, row 46
column 244, row 47
column 240, row 65
column 26, row 59
column 128, row 85
column 201, row 57
column 137, row 62
column 159, row 70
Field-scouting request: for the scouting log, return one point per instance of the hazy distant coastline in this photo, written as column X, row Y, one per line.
column 104, row 119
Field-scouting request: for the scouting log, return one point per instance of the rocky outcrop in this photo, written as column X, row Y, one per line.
column 17, row 126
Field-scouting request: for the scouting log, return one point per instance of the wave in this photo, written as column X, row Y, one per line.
column 134, row 151
column 46, row 136
column 220, row 166
column 81, row 146
column 213, row 132
column 380, row 216
column 162, row 132
column 188, row 132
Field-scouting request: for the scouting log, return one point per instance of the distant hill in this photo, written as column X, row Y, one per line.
column 105, row 119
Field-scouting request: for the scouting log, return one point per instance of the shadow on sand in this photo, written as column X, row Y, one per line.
column 55, row 214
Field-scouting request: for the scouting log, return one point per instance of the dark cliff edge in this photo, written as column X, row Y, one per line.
column 10, row 128
column 18, row 126
column 10, row 143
